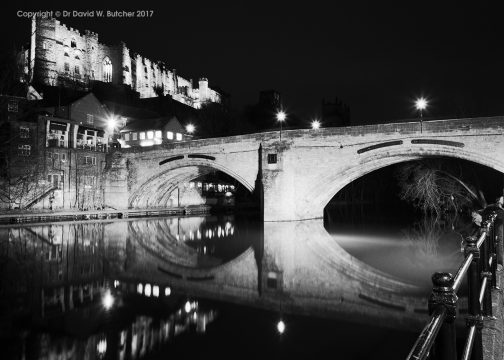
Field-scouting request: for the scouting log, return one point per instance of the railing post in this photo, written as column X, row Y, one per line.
column 485, row 273
column 499, row 235
column 443, row 295
column 474, row 283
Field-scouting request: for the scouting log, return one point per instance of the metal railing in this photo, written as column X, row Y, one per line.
column 482, row 251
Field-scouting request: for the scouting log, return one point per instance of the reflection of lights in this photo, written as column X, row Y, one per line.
column 198, row 235
column 107, row 300
column 147, row 290
column 116, row 283
column 155, row 291
column 229, row 193
column 102, row 347
column 167, row 291
column 281, row 327
column 187, row 307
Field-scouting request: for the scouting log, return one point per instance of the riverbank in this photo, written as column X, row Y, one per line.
column 16, row 217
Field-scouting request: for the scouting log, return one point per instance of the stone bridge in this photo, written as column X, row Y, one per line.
column 297, row 177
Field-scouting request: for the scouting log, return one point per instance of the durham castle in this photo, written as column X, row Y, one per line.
column 62, row 56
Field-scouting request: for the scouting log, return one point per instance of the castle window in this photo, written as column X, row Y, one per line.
column 77, row 70
column 67, row 67
column 12, row 106
column 77, row 57
column 73, row 43
column 66, row 52
column 107, row 70
column 126, row 68
column 44, row 45
column 24, row 132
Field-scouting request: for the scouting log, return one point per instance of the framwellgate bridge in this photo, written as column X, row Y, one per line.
column 297, row 176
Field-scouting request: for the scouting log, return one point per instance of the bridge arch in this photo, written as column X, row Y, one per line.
column 156, row 190
column 330, row 183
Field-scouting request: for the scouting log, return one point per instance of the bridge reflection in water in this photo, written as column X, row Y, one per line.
column 51, row 272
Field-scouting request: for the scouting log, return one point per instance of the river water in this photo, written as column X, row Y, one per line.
column 217, row 286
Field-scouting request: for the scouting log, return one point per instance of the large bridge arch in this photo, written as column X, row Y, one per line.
column 328, row 181
column 155, row 190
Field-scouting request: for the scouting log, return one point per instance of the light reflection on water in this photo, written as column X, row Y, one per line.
column 64, row 270
column 409, row 249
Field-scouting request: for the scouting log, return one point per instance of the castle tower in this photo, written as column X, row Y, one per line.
column 91, row 58
column 203, row 90
column 44, row 49
column 125, row 65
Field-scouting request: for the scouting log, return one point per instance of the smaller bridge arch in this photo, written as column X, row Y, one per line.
column 156, row 190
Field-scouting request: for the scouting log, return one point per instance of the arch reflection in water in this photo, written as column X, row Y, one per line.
column 196, row 242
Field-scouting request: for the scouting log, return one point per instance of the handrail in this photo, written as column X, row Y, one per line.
column 479, row 265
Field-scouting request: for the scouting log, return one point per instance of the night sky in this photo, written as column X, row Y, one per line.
column 375, row 57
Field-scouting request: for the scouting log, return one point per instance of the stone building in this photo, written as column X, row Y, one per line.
column 62, row 56
column 53, row 156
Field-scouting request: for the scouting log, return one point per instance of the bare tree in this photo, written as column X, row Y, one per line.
column 433, row 188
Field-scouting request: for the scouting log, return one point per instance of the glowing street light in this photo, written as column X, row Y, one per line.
column 421, row 104
column 281, row 327
column 315, row 124
column 190, row 128
column 281, row 116
column 111, row 122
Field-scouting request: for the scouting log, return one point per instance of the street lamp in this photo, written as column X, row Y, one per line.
column 281, row 118
column 190, row 128
column 315, row 124
column 421, row 104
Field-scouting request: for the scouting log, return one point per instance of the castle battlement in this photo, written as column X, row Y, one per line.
column 63, row 56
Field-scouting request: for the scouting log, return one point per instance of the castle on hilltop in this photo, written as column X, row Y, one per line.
column 62, row 56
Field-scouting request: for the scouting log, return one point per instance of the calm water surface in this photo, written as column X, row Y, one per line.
column 111, row 290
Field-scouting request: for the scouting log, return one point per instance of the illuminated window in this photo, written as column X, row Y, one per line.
column 179, row 136
column 150, row 134
column 127, row 136
column 107, row 70
column 158, row 134
column 169, row 135
column 134, row 136
column 142, row 136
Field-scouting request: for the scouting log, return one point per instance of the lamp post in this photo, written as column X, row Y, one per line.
column 190, row 128
column 421, row 105
column 315, row 124
column 281, row 118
